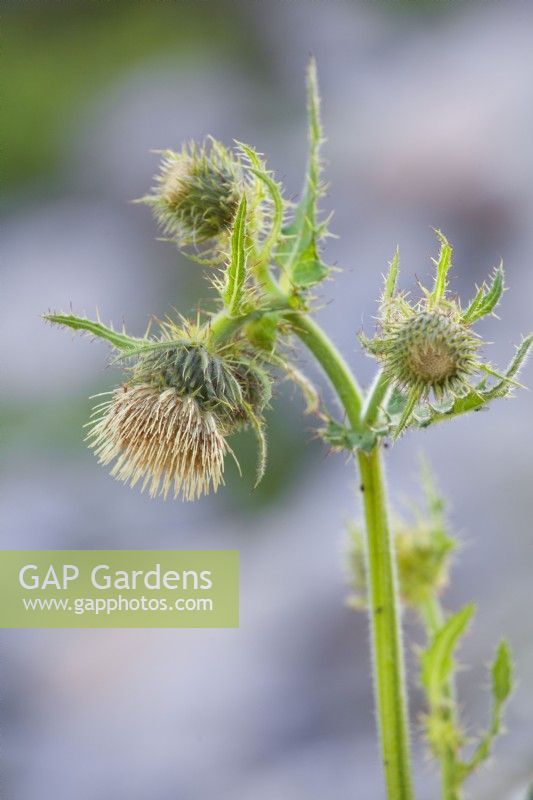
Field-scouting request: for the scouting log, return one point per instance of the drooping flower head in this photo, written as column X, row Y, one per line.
column 162, row 439
column 166, row 427
column 427, row 349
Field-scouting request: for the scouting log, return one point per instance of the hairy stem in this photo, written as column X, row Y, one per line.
column 375, row 398
column 433, row 619
column 332, row 363
column 222, row 326
column 389, row 675
column 384, row 611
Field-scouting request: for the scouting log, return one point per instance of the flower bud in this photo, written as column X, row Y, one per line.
column 423, row 552
column 197, row 192
column 427, row 349
column 430, row 351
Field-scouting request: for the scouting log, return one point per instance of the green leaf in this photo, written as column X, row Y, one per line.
column 486, row 299
column 119, row 340
column 343, row 438
column 502, row 673
column 309, row 269
column 502, row 685
column 502, row 388
column 259, row 431
column 236, row 273
column 443, row 265
column 437, row 661
column 297, row 253
column 392, row 276
column 413, row 398
column 396, row 404
column 257, row 167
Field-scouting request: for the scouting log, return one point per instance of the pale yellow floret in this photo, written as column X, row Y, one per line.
column 162, row 439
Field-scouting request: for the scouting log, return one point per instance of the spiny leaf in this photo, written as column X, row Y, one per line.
column 257, row 167
column 412, row 399
column 259, row 431
column 486, row 299
column 443, row 264
column 392, row 276
column 313, row 105
column 396, row 403
column 297, row 253
column 236, row 273
column 119, row 340
column 502, row 684
column 309, row 269
column 503, row 378
column 437, row 660
column 513, row 368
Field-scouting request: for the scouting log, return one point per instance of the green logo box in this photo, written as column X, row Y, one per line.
column 119, row 589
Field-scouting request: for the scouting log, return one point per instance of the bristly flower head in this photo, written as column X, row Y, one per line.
column 427, row 349
column 161, row 438
column 166, row 427
column 197, row 192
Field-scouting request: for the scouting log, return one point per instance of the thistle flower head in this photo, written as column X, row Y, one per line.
column 197, row 192
column 166, row 427
column 160, row 438
column 427, row 349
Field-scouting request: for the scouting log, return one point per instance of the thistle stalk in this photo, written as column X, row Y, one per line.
column 385, row 623
column 384, row 604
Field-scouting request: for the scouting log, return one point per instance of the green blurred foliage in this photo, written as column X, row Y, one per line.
column 57, row 55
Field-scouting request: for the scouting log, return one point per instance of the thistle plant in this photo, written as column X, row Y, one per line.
column 188, row 387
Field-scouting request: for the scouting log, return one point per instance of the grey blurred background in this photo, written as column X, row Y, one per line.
column 429, row 114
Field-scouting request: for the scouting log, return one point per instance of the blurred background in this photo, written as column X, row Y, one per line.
column 429, row 116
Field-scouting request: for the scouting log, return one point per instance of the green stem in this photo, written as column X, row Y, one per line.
column 223, row 326
column 384, row 610
column 374, row 399
column 331, row 362
column 433, row 618
column 391, row 698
